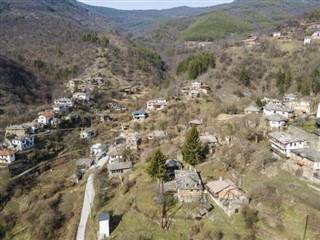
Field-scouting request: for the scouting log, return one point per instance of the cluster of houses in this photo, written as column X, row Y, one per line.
column 277, row 112
column 195, row 89
column 293, row 145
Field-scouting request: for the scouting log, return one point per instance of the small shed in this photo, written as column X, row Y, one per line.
column 104, row 225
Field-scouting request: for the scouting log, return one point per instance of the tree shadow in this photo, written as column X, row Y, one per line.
column 114, row 221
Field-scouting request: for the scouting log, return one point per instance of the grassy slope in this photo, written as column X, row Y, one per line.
column 243, row 18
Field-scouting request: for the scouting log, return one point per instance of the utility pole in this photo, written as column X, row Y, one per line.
column 305, row 228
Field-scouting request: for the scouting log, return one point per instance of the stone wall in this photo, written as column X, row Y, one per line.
column 311, row 138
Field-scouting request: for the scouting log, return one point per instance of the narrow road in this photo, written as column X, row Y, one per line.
column 88, row 200
column 86, row 209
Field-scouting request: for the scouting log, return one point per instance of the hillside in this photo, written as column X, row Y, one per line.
column 58, row 40
column 137, row 21
column 244, row 17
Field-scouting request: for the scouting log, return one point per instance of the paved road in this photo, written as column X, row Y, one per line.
column 88, row 200
column 86, row 208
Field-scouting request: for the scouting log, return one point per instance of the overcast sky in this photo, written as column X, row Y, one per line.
column 152, row 4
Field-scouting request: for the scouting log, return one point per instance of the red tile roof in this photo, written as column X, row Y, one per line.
column 47, row 114
column 6, row 152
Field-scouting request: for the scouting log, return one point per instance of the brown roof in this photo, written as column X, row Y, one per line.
column 218, row 186
column 6, row 152
column 47, row 114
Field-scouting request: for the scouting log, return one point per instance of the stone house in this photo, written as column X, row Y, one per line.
column 285, row 142
column 308, row 160
column 276, row 121
column 156, row 104
column 116, row 153
column 188, row 185
column 60, row 108
column 133, row 141
column 19, row 130
column 226, row 195
column 81, row 96
column 84, row 163
column 157, row 135
column 96, row 150
column 118, row 168
column 271, row 109
column 252, row 109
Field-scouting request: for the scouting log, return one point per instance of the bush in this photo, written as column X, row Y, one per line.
column 250, row 216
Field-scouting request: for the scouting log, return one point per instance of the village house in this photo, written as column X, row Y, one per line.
column 156, row 104
column 289, row 98
column 19, row 130
column 157, row 135
column 273, row 101
column 276, row 34
column 227, row 196
column 6, row 157
column 209, row 142
column 284, row 142
column 104, row 117
column 116, row 153
column 300, row 107
column 189, row 186
column 307, row 40
column 60, row 108
column 81, row 96
column 87, row 133
column 276, row 121
column 133, row 141
column 104, row 226
column 118, row 168
column 64, row 102
column 194, row 94
column 252, row 109
column 20, row 142
column 73, row 84
column 316, row 34
column 308, row 160
column 250, row 40
column 195, row 122
column 84, row 163
column 96, row 150
column 284, row 111
column 139, row 115
column 196, row 84
column 45, row 117
column 172, row 165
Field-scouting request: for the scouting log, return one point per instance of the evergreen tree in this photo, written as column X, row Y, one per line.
column 315, row 81
column 192, row 149
column 157, row 171
column 244, row 77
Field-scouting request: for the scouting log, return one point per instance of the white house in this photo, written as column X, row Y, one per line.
column 194, row 94
column 64, row 102
column 196, row 84
column 6, row 156
column 22, row 142
column 96, row 150
column 156, row 104
column 276, row 121
column 276, row 34
column 316, row 34
column 271, row 109
column 104, row 225
column 87, row 133
column 306, row 40
column 45, row 117
column 139, row 115
column 284, row 142
column 81, row 96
